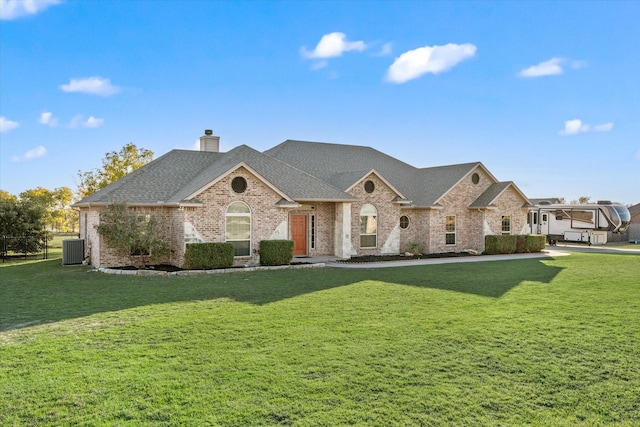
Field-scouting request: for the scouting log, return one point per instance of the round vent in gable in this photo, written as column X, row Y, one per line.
column 475, row 178
column 239, row 184
column 369, row 186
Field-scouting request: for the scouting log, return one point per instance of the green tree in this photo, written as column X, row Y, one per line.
column 24, row 221
column 5, row 195
column 65, row 218
column 59, row 215
column 140, row 236
column 115, row 165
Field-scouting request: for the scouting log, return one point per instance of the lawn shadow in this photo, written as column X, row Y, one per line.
column 46, row 292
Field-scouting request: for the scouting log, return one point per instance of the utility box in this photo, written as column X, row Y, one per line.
column 72, row 251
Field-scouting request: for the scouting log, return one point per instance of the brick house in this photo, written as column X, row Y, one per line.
column 330, row 199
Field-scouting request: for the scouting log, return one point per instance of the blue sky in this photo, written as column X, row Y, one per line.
column 546, row 94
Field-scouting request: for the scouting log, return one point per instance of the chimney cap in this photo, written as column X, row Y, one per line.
column 208, row 132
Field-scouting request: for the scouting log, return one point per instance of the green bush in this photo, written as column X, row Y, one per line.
column 510, row 244
column 498, row 244
column 535, row 242
column 276, row 252
column 203, row 256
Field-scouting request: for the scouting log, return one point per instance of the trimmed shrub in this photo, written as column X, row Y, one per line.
column 500, row 244
column 535, row 242
column 276, row 252
column 204, row 256
column 510, row 244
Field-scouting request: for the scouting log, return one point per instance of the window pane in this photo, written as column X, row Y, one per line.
column 506, row 224
column 238, row 228
column 238, row 207
column 368, row 241
column 368, row 210
column 241, row 248
column 368, row 225
column 450, row 238
column 450, row 223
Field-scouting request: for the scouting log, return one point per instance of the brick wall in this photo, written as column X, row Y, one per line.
column 509, row 203
column 456, row 202
column 266, row 217
column 418, row 230
column 388, row 214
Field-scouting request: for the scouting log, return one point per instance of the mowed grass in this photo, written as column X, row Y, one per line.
column 540, row 342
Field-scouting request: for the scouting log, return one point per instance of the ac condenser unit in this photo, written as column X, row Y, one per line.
column 72, row 251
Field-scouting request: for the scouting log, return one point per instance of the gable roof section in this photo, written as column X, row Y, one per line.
column 157, row 181
column 180, row 175
column 290, row 182
column 382, row 178
column 344, row 165
column 487, row 199
column 434, row 183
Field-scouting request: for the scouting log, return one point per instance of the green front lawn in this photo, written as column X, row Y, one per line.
column 542, row 342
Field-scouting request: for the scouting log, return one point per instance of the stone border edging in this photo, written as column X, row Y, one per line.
column 197, row 272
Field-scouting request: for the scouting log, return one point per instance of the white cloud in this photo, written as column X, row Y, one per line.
column 546, row 68
column 13, row 9
column 47, row 118
column 574, row 127
column 91, row 85
column 605, row 127
column 79, row 121
column 92, row 122
column 428, row 59
column 6, row 125
column 332, row 45
column 31, row 154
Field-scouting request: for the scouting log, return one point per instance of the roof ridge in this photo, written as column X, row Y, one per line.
column 300, row 170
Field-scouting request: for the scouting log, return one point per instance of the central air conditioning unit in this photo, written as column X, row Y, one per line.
column 72, row 251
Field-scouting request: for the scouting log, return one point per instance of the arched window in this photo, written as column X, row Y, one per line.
column 368, row 226
column 238, row 228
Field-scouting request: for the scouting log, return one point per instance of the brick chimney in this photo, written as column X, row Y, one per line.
column 208, row 142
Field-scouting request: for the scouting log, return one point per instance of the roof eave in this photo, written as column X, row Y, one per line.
column 134, row 204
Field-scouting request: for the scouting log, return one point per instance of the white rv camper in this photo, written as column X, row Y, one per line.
column 588, row 223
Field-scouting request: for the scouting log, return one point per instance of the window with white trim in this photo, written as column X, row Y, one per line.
column 450, row 230
column 404, row 222
column 238, row 228
column 368, row 226
column 506, row 224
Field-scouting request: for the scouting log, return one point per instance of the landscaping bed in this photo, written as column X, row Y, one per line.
column 399, row 257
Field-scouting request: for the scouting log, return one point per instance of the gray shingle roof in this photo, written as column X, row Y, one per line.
column 179, row 174
column 487, row 198
column 157, row 181
column 300, row 170
column 342, row 165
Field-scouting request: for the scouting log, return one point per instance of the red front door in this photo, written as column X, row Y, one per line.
column 299, row 234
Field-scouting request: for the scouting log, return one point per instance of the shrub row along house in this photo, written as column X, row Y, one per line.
column 330, row 199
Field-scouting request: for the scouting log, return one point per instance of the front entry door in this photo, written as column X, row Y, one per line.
column 299, row 234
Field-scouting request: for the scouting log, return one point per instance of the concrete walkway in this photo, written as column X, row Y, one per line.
column 595, row 248
column 549, row 252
